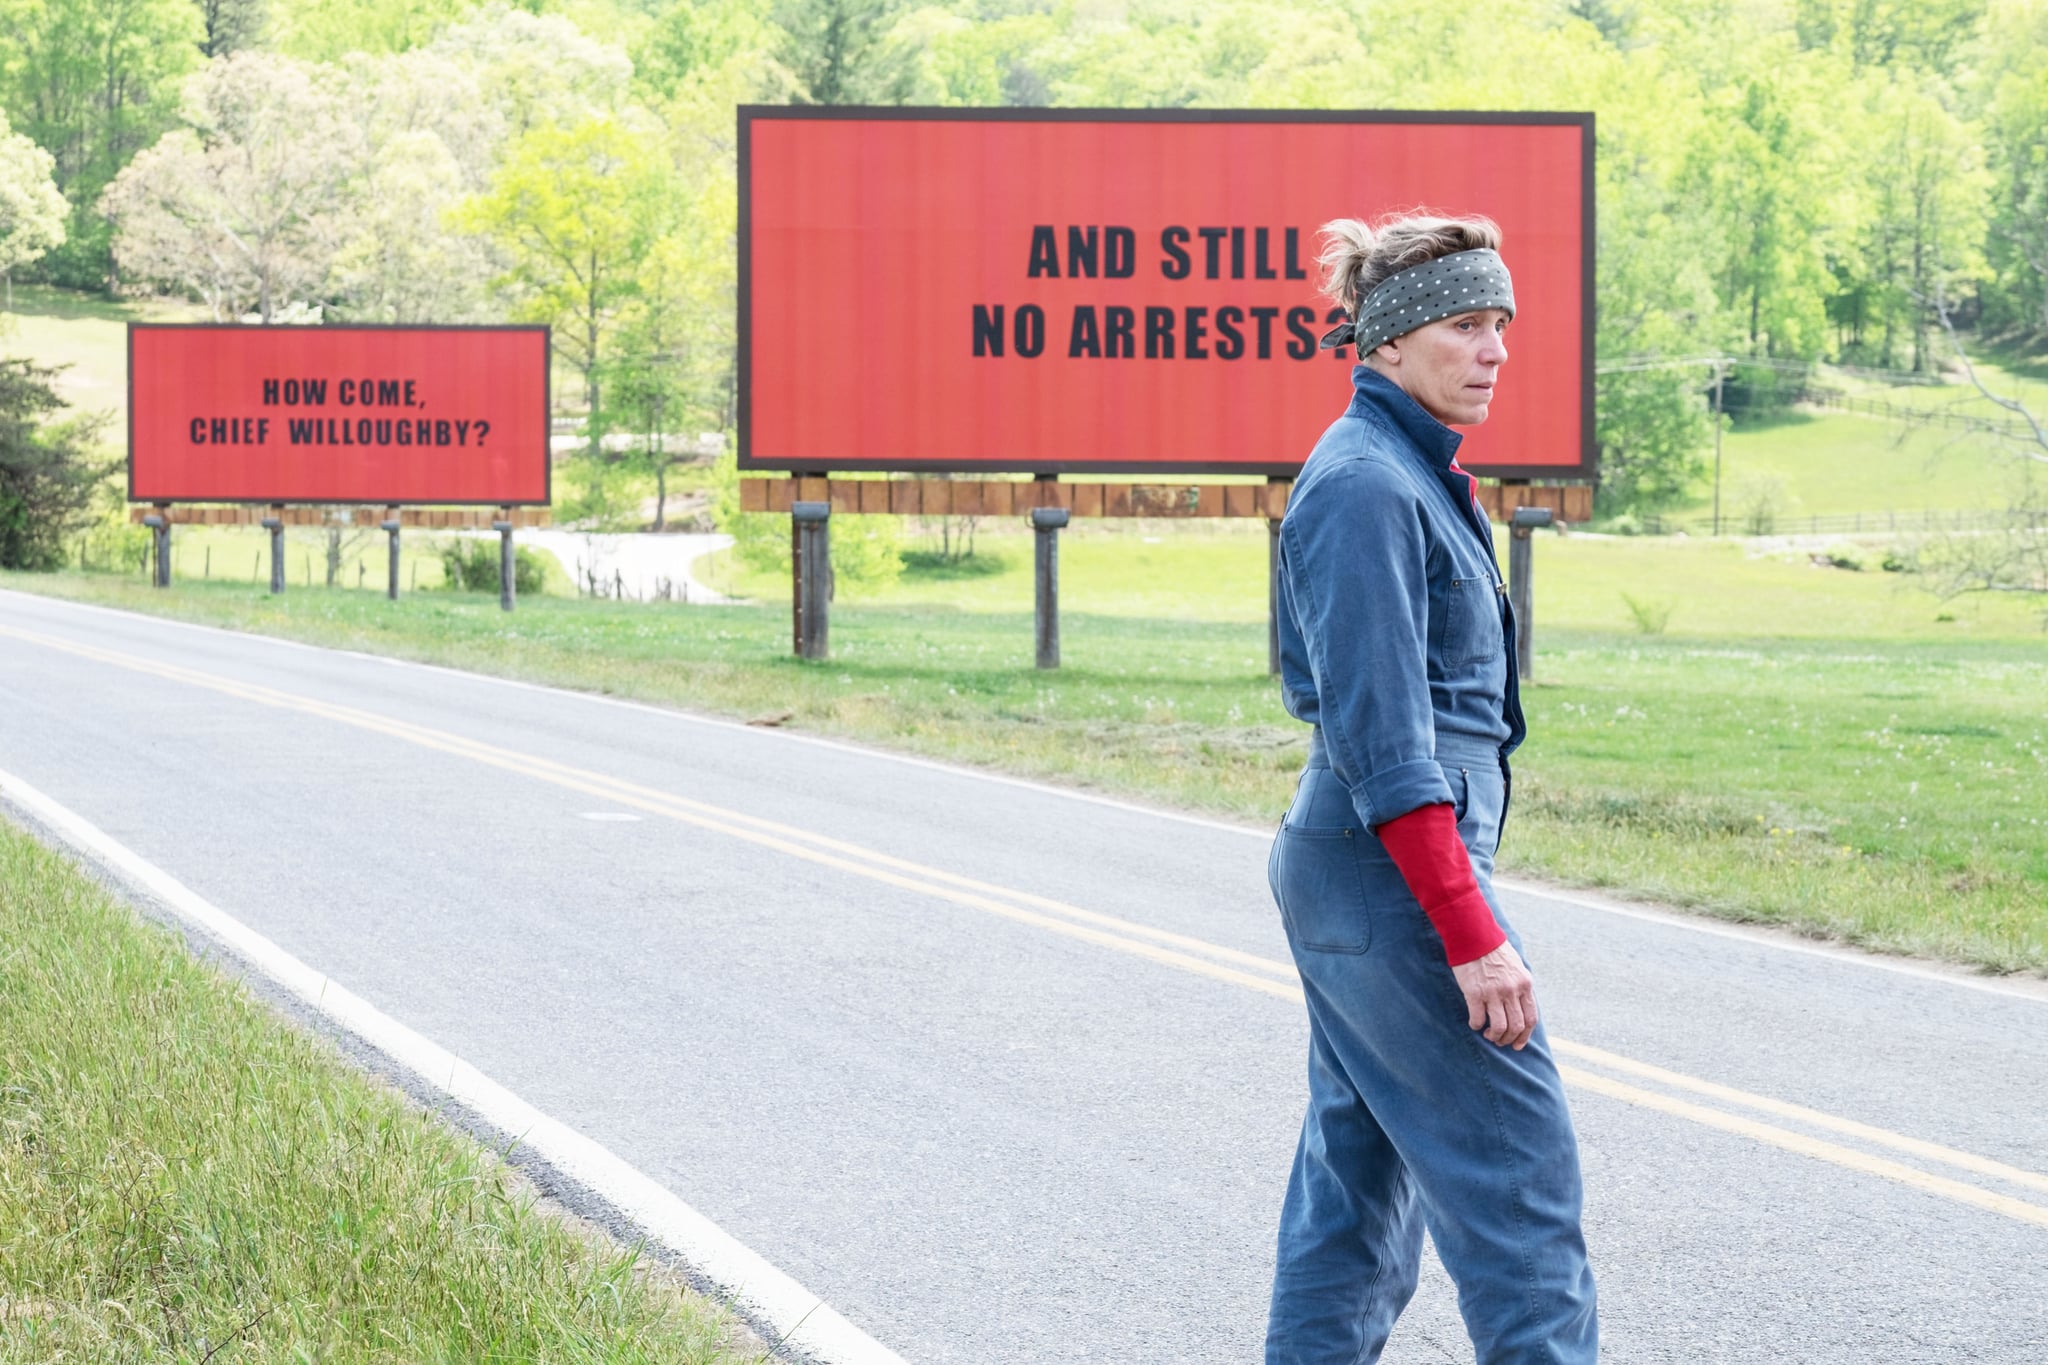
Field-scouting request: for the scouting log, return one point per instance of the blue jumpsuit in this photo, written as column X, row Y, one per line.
column 1397, row 645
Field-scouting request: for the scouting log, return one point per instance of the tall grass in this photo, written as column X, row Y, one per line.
column 183, row 1177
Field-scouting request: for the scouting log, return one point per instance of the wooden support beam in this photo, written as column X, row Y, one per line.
column 418, row 518
column 967, row 497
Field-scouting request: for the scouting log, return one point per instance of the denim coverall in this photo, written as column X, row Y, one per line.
column 1396, row 643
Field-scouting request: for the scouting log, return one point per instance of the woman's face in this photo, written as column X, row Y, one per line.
column 1449, row 366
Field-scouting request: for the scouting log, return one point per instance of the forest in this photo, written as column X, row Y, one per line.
column 1788, row 181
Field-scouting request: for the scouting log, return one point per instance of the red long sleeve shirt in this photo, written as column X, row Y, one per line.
column 1425, row 846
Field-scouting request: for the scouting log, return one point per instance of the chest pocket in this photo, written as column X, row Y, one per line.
column 1470, row 628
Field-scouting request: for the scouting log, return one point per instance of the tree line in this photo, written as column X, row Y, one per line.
column 1795, row 180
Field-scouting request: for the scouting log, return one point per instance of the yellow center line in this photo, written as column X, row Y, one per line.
column 1166, row 948
column 1808, row 1146
column 1883, row 1137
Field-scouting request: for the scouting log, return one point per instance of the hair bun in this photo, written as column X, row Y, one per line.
column 1357, row 255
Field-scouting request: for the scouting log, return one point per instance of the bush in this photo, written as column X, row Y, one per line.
column 47, row 472
column 1651, row 615
column 471, row 565
column 113, row 544
column 1843, row 557
column 867, row 551
column 1624, row 525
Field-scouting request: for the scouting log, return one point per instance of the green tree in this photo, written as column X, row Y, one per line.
column 93, row 82
column 847, row 51
column 1925, row 35
column 328, row 30
column 232, row 25
column 32, row 211
column 2016, row 134
column 574, row 211
column 694, row 38
column 47, row 473
column 1928, row 210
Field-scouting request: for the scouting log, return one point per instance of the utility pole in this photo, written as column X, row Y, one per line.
column 1720, row 373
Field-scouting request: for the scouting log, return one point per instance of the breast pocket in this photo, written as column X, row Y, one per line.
column 1316, row 880
column 1469, row 627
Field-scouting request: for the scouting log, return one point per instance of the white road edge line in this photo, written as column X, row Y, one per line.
column 772, row 1298
column 1762, row 937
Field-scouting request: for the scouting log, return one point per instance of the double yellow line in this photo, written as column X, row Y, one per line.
column 1162, row 947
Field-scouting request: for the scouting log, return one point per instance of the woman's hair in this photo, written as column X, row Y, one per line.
column 1357, row 256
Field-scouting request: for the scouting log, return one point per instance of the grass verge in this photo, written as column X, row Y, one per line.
column 1883, row 791
column 184, row 1177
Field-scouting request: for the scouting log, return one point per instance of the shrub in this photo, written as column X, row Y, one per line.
column 471, row 565
column 47, row 472
column 1624, row 525
column 1843, row 557
column 1651, row 615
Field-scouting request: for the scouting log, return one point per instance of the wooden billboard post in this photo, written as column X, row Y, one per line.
column 507, row 563
column 1522, row 523
column 390, row 524
column 159, row 524
column 813, row 568
column 1046, row 524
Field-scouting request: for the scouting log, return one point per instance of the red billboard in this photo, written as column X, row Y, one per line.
column 221, row 413
column 1124, row 291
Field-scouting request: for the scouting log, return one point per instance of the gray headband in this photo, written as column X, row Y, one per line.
column 1462, row 282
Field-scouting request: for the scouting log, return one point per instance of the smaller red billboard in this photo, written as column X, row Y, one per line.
column 224, row 413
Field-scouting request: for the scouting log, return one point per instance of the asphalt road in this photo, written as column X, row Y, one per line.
column 808, row 989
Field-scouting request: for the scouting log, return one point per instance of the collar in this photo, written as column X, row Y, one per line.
column 1437, row 442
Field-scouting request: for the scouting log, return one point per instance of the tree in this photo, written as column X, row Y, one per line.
column 690, row 39
column 93, row 82
column 574, row 210
column 1927, row 214
column 32, row 211
column 2016, row 134
column 537, row 70
column 246, row 207
column 47, row 474
column 847, row 51
column 401, row 262
column 232, row 25
column 329, row 30
column 1924, row 34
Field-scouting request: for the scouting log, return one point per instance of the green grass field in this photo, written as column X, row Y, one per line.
column 1806, row 746
column 186, row 1177
column 1217, row 572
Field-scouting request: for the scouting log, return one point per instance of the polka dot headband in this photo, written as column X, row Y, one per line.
column 1462, row 282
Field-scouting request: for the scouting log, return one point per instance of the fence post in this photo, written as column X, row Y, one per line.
column 813, row 523
column 1046, row 522
column 1522, row 524
column 391, row 525
column 506, row 577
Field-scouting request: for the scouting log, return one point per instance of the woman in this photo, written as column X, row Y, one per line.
column 1433, row 1098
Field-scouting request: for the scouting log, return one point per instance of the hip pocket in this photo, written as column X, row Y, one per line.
column 1317, row 882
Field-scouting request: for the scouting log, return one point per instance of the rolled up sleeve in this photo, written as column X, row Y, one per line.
column 1355, row 560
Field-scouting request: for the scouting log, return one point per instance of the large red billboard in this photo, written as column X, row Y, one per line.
column 220, row 413
column 1121, row 291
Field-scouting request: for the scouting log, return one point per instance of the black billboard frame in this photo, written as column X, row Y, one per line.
column 1585, row 471
column 547, row 331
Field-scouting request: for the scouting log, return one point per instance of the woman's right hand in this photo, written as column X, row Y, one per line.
column 1500, row 996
